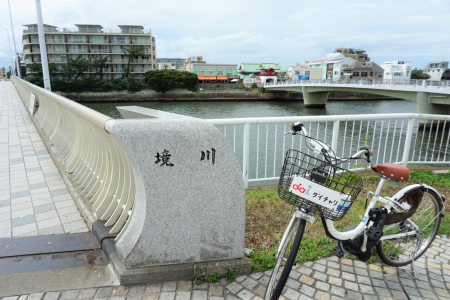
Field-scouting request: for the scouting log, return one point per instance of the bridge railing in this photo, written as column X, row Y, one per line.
column 260, row 143
column 93, row 159
column 444, row 84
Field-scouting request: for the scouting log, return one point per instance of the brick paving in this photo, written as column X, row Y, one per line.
column 325, row 279
column 33, row 197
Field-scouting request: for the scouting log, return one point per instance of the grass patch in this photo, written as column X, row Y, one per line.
column 267, row 217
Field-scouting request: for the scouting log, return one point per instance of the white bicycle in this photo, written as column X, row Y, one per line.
column 401, row 227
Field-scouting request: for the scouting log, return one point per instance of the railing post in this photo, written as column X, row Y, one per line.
column 246, row 152
column 408, row 139
column 335, row 136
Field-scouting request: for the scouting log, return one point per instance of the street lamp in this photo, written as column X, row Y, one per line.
column 44, row 60
column 9, row 42
column 14, row 40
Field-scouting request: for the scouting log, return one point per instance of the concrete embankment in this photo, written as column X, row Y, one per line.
column 209, row 95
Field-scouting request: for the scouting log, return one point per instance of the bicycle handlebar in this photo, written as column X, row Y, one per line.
column 320, row 146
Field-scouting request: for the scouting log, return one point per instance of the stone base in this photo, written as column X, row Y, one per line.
column 315, row 105
column 188, row 271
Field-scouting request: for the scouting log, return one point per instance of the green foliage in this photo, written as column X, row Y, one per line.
column 166, row 80
column 198, row 282
column 261, row 261
column 36, row 70
column 418, row 74
column 254, row 85
column 442, row 180
column 99, row 64
column 131, row 52
column 214, row 277
column 194, row 89
column 229, row 275
column 77, row 66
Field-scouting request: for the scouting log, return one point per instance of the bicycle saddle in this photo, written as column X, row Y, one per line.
column 393, row 171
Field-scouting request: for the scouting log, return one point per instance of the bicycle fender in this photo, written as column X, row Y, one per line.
column 404, row 190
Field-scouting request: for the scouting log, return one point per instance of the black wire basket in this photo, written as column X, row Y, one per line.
column 323, row 173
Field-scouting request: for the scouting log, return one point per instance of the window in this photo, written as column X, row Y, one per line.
column 371, row 73
column 345, row 51
column 387, row 73
column 329, row 73
column 201, row 71
column 211, row 71
column 438, row 70
column 228, row 70
column 355, row 73
column 296, row 73
column 380, row 74
column 363, row 74
column 407, row 73
column 219, row 71
column 335, row 65
column 336, row 73
column 307, row 72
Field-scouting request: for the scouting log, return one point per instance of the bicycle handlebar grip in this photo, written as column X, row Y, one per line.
column 296, row 126
column 368, row 153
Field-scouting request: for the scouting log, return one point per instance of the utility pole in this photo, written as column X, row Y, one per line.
column 14, row 41
column 44, row 61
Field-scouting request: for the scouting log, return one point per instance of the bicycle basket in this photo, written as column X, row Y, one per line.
column 298, row 164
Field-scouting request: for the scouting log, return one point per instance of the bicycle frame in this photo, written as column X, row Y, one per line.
column 343, row 236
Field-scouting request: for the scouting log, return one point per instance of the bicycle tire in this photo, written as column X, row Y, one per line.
column 274, row 294
column 396, row 249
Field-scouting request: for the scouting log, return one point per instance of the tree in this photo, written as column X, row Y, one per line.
column 165, row 67
column 99, row 64
column 131, row 52
column 165, row 80
column 77, row 66
column 36, row 69
column 418, row 74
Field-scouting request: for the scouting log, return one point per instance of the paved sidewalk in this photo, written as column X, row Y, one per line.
column 329, row 278
column 33, row 197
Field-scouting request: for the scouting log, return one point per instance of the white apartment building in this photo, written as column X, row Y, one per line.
column 332, row 65
column 90, row 41
column 438, row 70
column 397, row 70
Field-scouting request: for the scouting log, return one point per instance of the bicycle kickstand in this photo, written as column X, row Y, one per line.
column 413, row 273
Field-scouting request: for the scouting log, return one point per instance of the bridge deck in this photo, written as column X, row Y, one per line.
column 33, row 197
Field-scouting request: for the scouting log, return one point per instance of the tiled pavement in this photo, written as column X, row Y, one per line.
column 325, row 279
column 33, row 197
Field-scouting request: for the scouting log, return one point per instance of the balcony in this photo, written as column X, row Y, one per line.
column 77, row 41
column 118, row 60
column 95, row 41
column 56, row 51
column 141, row 42
column 78, row 51
column 100, row 51
column 117, row 51
column 145, row 61
column 118, row 69
column 26, row 51
column 59, row 41
column 91, row 30
column 58, row 60
column 119, row 42
column 141, row 69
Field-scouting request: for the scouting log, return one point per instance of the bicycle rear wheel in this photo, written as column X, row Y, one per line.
column 401, row 251
column 288, row 253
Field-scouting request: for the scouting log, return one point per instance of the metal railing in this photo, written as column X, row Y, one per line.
column 260, row 143
column 100, row 51
column 94, row 160
column 81, row 30
column 413, row 83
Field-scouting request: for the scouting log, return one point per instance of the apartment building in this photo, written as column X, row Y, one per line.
column 438, row 70
column 354, row 53
column 332, row 65
column 171, row 63
column 396, row 70
column 363, row 70
column 91, row 41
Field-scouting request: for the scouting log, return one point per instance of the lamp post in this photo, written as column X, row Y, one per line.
column 9, row 42
column 44, row 61
column 14, row 40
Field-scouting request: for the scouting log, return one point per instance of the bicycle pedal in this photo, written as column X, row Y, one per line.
column 374, row 233
column 338, row 252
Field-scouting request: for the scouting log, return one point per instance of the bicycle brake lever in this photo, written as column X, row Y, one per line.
column 289, row 132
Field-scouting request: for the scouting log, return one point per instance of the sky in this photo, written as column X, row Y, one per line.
column 232, row 31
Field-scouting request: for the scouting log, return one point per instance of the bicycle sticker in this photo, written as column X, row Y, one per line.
column 319, row 194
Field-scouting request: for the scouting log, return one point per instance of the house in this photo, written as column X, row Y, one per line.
column 207, row 72
column 298, row 72
column 396, row 70
column 362, row 70
column 438, row 70
column 332, row 65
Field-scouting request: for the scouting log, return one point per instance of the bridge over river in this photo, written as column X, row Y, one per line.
column 431, row 97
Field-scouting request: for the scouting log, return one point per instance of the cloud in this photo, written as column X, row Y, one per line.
column 287, row 32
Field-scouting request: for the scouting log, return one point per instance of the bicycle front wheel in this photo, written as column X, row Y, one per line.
column 400, row 251
column 288, row 253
